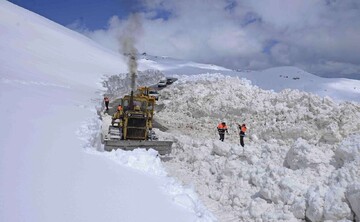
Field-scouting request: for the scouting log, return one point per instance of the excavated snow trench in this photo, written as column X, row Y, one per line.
column 118, row 85
column 115, row 90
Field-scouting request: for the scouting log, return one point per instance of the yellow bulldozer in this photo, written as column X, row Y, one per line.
column 134, row 127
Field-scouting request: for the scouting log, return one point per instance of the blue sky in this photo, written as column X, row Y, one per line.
column 321, row 37
column 94, row 14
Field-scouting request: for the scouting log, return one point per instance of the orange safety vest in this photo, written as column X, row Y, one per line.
column 221, row 126
column 243, row 129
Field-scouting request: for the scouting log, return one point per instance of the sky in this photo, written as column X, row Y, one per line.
column 53, row 166
column 319, row 36
column 93, row 14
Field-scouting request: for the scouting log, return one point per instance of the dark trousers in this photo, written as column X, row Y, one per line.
column 107, row 104
column 222, row 136
column 242, row 135
column 242, row 141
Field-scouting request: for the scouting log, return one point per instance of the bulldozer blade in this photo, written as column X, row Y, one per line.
column 163, row 147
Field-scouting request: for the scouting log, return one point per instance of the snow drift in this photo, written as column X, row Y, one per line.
column 301, row 156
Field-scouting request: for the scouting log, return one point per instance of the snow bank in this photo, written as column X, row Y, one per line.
column 207, row 99
column 150, row 164
column 300, row 159
column 118, row 85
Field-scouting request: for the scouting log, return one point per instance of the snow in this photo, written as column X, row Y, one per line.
column 175, row 66
column 50, row 91
column 301, row 159
column 300, row 155
column 353, row 195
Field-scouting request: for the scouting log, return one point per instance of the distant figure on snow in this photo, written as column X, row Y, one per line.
column 106, row 100
column 222, row 128
column 242, row 133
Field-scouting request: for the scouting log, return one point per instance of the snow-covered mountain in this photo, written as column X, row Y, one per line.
column 301, row 159
column 50, row 89
column 276, row 79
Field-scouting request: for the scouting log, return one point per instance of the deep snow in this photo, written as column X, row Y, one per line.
column 301, row 159
column 299, row 146
column 50, row 90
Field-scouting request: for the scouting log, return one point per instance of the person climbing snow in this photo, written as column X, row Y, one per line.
column 106, row 100
column 222, row 128
column 242, row 133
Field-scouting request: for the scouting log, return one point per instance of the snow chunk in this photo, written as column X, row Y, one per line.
column 315, row 210
column 303, row 155
column 221, row 148
column 353, row 196
column 299, row 208
column 335, row 207
column 348, row 151
column 331, row 135
column 258, row 206
column 140, row 159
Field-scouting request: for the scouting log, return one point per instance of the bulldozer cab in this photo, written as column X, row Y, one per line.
column 140, row 103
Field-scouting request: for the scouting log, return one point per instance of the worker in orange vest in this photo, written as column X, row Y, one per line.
column 242, row 133
column 106, row 100
column 222, row 128
column 118, row 115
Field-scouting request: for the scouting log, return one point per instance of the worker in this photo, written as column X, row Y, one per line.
column 106, row 100
column 242, row 133
column 222, row 128
column 117, row 115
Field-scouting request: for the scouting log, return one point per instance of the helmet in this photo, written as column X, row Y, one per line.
column 223, row 123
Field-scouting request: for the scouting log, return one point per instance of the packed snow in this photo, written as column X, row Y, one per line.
column 301, row 159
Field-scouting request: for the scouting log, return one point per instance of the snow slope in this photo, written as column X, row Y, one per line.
column 280, row 78
column 50, row 89
column 276, row 79
column 171, row 66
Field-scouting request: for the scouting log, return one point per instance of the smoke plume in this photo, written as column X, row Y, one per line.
column 128, row 38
